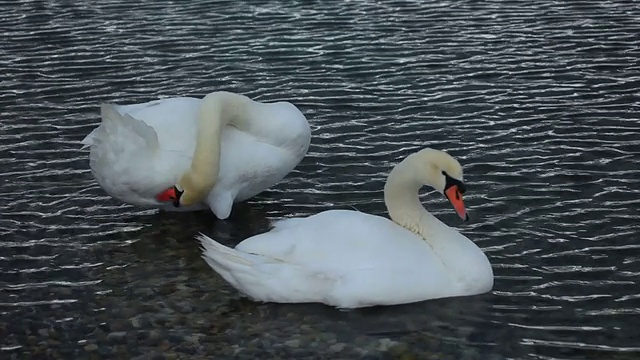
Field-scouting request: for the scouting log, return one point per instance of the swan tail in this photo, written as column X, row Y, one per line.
column 123, row 129
column 89, row 139
column 227, row 262
column 119, row 139
column 266, row 279
column 117, row 124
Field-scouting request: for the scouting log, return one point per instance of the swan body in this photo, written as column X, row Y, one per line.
column 349, row 259
column 228, row 148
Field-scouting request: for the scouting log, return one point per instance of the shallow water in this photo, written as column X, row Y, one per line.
column 538, row 101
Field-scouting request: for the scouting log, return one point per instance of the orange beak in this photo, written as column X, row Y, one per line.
column 455, row 197
column 167, row 195
column 171, row 194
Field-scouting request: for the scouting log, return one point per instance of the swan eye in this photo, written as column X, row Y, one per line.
column 451, row 182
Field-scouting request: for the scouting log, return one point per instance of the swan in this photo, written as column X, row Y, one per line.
column 183, row 154
column 349, row 259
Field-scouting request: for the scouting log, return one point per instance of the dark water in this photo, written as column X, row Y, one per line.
column 538, row 100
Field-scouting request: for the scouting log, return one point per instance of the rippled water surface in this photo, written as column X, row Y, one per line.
column 538, row 100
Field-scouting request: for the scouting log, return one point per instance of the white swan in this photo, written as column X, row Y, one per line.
column 187, row 154
column 350, row 259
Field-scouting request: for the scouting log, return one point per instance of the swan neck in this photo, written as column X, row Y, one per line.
column 402, row 201
column 217, row 110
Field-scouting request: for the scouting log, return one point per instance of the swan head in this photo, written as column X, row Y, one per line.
column 186, row 192
column 442, row 172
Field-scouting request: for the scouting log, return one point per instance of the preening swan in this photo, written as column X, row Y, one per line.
column 188, row 154
column 350, row 259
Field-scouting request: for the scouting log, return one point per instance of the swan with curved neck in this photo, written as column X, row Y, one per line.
column 350, row 259
column 184, row 154
column 217, row 110
column 427, row 167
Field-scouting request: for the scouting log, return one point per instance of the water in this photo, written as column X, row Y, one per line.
column 538, row 101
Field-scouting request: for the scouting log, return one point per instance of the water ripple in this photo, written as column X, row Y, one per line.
column 537, row 100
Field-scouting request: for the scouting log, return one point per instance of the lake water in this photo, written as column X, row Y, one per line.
column 538, row 100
